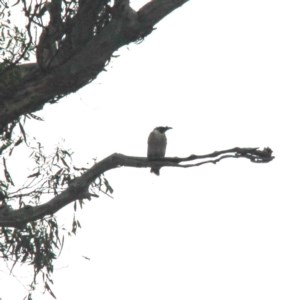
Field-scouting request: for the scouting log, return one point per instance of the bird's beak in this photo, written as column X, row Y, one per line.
column 169, row 128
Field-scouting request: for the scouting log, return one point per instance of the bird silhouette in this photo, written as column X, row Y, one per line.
column 157, row 144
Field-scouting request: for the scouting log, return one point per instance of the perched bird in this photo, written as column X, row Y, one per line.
column 157, row 143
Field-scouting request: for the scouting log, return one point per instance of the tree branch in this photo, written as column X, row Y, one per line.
column 79, row 187
column 79, row 59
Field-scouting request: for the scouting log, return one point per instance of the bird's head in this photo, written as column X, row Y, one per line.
column 163, row 129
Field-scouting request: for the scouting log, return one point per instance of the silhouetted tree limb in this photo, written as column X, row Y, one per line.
column 73, row 49
column 79, row 187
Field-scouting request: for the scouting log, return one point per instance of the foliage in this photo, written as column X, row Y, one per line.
column 38, row 243
column 16, row 41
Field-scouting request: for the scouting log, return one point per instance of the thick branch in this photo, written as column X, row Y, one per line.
column 79, row 61
column 79, row 187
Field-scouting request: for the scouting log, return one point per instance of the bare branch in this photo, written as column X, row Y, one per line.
column 79, row 187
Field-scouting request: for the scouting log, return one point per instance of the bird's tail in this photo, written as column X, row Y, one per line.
column 155, row 171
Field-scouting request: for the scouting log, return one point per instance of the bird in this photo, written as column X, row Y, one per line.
column 157, row 143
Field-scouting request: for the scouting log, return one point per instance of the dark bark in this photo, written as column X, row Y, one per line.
column 81, row 56
column 79, row 188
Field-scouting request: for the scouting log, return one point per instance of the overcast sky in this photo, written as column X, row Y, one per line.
column 222, row 74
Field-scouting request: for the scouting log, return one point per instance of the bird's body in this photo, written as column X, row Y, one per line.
column 157, row 144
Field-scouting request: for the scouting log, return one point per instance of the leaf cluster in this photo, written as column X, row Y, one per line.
column 17, row 42
column 38, row 243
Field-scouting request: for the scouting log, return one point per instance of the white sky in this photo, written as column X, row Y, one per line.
column 222, row 74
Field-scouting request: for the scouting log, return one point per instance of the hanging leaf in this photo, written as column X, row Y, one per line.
column 6, row 173
column 48, row 289
column 65, row 163
column 18, row 142
column 108, row 186
column 34, row 116
column 37, row 174
column 23, row 132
